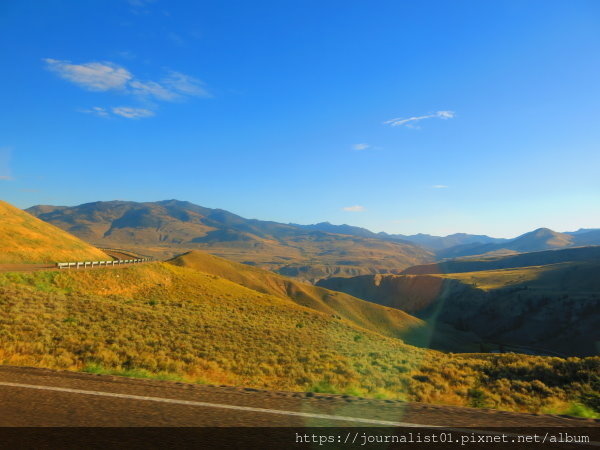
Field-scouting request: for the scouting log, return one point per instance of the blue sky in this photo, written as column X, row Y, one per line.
column 399, row 116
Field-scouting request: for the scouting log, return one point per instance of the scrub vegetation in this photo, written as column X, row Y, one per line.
column 169, row 322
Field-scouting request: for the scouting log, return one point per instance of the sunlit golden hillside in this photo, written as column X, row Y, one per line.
column 26, row 239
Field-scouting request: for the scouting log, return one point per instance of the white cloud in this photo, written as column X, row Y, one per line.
column 107, row 76
column 409, row 122
column 123, row 111
column 175, row 86
column 355, row 208
column 361, row 146
column 132, row 113
column 439, row 186
column 95, row 76
column 152, row 88
column 445, row 114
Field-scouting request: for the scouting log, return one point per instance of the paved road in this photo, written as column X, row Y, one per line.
column 37, row 267
column 39, row 397
column 26, row 267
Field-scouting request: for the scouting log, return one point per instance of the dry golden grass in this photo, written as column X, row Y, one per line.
column 389, row 321
column 497, row 279
column 164, row 321
column 26, row 239
column 572, row 276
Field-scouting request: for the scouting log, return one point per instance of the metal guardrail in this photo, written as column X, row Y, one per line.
column 98, row 264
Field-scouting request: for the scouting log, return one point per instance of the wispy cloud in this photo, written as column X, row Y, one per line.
column 6, row 178
column 361, row 146
column 95, row 76
column 439, row 186
column 175, row 86
column 132, row 113
column 96, row 110
column 410, row 121
column 355, row 208
column 185, row 84
column 108, row 76
column 129, row 112
column 152, row 89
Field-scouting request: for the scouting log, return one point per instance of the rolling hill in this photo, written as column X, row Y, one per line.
column 549, row 308
column 25, row 239
column 388, row 321
column 167, row 228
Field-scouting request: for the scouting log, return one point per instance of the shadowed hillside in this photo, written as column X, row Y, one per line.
column 552, row 309
column 26, row 239
column 387, row 321
column 164, row 228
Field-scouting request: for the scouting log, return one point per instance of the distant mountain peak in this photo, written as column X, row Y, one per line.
column 542, row 231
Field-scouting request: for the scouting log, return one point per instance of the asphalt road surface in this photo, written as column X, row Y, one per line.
column 39, row 397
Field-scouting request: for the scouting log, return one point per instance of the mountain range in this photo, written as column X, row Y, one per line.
column 540, row 239
column 427, row 241
column 166, row 228
column 308, row 252
column 464, row 244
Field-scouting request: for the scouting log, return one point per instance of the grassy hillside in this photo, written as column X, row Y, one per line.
column 166, row 228
column 550, row 308
column 566, row 278
column 160, row 320
column 388, row 321
column 26, row 239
